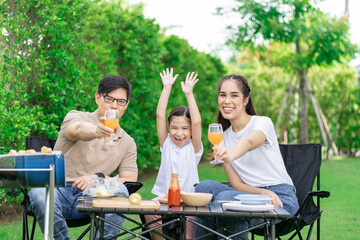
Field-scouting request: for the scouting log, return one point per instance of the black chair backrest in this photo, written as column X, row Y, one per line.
column 36, row 143
column 132, row 187
column 303, row 162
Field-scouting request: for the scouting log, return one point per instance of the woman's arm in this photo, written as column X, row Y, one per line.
column 187, row 88
column 168, row 80
column 238, row 184
column 253, row 140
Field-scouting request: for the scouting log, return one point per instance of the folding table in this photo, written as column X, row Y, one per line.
column 179, row 214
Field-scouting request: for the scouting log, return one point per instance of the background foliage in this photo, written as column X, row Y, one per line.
column 303, row 37
column 54, row 53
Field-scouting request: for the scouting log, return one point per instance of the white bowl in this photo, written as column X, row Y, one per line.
column 196, row 199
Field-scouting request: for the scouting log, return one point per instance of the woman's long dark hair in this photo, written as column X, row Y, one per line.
column 245, row 90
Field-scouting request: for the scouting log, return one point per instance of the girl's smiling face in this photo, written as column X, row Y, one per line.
column 180, row 130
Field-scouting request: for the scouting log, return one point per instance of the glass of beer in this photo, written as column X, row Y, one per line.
column 112, row 121
column 215, row 135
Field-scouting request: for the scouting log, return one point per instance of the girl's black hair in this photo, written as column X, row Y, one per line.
column 245, row 90
column 178, row 112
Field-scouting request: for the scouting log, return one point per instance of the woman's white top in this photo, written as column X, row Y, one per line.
column 263, row 166
column 182, row 161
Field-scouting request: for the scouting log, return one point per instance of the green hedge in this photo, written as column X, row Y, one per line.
column 53, row 54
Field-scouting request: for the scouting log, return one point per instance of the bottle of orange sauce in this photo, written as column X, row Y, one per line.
column 174, row 191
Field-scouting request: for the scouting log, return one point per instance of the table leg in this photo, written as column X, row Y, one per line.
column 101, row 224
column 272, row 222
column 183, row 227
column 92, row 226
column 49, row 205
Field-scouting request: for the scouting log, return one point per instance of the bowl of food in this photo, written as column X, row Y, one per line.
column 196, row 199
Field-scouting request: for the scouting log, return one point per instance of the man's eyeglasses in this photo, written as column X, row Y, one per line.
column 120, row 102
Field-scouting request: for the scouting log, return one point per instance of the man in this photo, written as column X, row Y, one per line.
column 81, row 140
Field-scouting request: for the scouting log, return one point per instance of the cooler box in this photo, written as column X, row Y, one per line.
column 29, row 179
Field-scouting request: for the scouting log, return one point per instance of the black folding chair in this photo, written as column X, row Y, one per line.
column 303, row 163
column 36, row 143
column 32, row 142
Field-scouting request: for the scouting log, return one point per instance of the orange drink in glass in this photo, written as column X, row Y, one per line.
column 215, row 138
column 215, row 135
column 112, row 121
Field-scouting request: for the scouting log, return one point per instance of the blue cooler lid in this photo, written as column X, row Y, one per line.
column 41, row 161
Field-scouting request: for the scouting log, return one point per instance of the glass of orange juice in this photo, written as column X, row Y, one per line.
column 215, row 135
column 112, row 121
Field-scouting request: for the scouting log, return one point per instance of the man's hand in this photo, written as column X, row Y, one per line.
column 102, row 130
column 82, row 182
column 190, row 81
column 167, row 77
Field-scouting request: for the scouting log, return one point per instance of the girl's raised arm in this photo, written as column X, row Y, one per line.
column 187, row 88
column 168, row 80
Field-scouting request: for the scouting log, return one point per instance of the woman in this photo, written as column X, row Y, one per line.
column 251, row 155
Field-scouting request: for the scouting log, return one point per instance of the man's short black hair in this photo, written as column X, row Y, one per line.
column 111, row 83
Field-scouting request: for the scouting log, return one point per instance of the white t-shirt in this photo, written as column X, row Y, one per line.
column 182, row 161
column 263, row 166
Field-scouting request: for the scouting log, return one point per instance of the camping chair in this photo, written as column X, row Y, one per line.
column 302, row 162
column 36, row 143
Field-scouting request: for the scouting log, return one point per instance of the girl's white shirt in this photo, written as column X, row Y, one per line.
column 182, row 161
column 263, row 166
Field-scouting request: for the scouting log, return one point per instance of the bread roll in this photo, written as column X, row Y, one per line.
column 45, row 149
column 12, row 151
column 31, row 151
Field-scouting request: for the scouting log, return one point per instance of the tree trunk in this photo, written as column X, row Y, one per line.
column 284, row 132
column 288, row 91
column 304, row 133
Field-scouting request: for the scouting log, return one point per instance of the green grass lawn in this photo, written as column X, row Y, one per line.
column 340, row 220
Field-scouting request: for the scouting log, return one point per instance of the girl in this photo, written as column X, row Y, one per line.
column 181, row 148
column 251, row 155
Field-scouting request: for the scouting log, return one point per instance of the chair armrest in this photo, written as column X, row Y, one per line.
column 322, row 194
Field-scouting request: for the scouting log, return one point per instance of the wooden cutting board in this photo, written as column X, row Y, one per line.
column 124, row 203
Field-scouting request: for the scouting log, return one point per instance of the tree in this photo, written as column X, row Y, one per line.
column 38, row 78
column 315, row 38
column 53, row 54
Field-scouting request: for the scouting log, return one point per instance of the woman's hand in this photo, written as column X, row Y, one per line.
column 167, row 77
column 275, row 199
column 189, row 84
column 220, row 152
